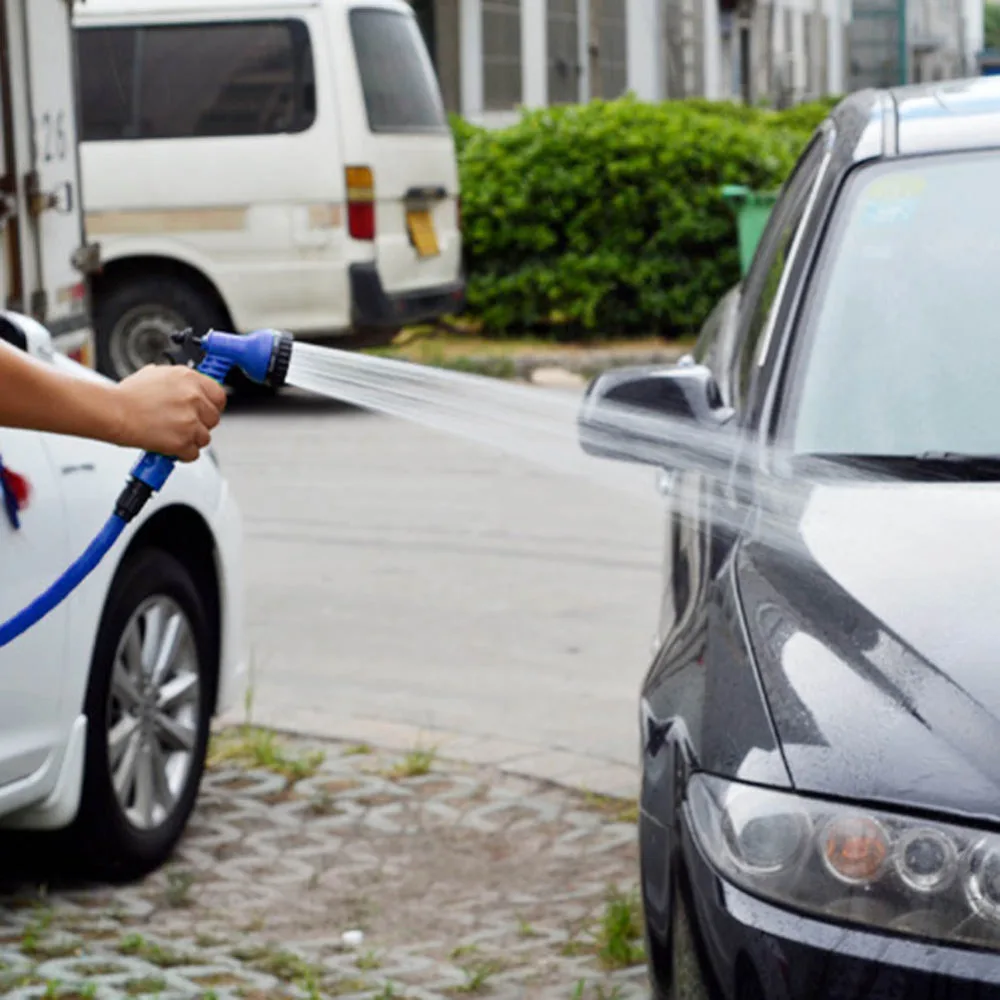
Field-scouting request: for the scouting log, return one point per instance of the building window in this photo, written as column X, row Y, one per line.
column 684, row 45
column 564, row 52
column 439, row 24
column 809, row 30
column 612, row 52
column 447, row 52
column 196, row 80
column 502, row 54
column 823, row 61
column 873, row 44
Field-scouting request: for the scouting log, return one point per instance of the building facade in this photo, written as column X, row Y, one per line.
column 496, row 56
column 913, row 41
column 781, row 52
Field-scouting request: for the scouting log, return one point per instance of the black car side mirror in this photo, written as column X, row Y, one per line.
column 666, row 417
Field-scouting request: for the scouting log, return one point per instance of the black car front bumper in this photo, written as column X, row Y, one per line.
column 727, row 944
column 373, row 307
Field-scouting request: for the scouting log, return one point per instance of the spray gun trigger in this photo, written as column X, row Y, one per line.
column 187, row 349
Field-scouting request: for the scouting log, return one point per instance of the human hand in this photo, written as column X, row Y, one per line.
column 169, row 410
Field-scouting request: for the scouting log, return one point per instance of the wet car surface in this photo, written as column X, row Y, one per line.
column 820, row 812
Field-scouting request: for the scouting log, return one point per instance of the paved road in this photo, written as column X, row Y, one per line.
column 401, row 580
column 463, row 882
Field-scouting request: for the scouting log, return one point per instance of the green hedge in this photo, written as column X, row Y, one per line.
column 606, row 220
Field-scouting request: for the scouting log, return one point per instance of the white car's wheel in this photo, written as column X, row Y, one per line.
column 149, row 710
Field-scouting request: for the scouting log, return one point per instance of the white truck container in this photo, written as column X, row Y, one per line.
column 44, row 258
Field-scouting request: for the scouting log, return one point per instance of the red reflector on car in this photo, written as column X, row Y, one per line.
column 360, row 202
column 361, row 220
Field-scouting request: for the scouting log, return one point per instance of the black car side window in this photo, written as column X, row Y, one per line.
column 764, row 278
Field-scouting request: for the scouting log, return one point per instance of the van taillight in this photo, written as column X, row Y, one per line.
column 458, row 213
column 360, row 203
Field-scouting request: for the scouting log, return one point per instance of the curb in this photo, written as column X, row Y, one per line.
column 562, row 768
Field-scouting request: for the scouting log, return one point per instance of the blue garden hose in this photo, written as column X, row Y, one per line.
column 263, row 357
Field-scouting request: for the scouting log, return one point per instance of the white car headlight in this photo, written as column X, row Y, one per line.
column 852, row 864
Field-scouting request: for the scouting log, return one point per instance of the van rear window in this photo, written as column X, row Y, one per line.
column 400, row 88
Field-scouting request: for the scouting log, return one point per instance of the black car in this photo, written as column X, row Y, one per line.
column 820, row 727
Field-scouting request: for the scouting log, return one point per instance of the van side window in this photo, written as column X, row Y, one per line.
column 107, row 82
column 180, row 81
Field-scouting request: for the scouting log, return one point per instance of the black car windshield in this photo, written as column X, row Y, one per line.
column 902, row 334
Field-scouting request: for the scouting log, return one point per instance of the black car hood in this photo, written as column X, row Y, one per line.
column 875, row 624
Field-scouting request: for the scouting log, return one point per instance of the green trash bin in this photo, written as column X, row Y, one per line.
column 753, row 209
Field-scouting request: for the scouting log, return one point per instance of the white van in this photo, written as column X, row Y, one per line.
column 263, row 163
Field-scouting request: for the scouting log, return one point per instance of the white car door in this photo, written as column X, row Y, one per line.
column 31, row 557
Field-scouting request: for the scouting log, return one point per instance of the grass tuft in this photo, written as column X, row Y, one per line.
column 258, row 748
column 415, row 764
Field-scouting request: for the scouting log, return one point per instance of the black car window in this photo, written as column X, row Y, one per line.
column 897, row 347
column 764, row 278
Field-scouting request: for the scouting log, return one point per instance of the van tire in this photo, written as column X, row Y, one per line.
column 133, row 316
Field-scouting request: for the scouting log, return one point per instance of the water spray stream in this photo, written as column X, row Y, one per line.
column 542, row 427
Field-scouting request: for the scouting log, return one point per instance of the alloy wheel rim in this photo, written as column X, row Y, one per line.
column 141, row 336
column 153, row 712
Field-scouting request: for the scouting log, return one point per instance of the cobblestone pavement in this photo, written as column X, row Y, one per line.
column 463, row 880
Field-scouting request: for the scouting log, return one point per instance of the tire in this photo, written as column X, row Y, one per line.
column 135, row 318
column 114, row 836
column 659, row 959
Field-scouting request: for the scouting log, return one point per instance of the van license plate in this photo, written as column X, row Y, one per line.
column 422, row 233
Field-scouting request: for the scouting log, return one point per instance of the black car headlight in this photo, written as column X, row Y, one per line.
column 852, row 864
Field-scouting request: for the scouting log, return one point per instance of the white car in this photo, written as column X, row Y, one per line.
column 106, row 704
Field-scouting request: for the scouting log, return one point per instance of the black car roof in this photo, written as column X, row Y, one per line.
column 921, row 118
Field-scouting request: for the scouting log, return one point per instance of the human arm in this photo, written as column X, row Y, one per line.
column 170, row 410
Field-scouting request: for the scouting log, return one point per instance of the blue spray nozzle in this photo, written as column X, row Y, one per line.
column 263, row 356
